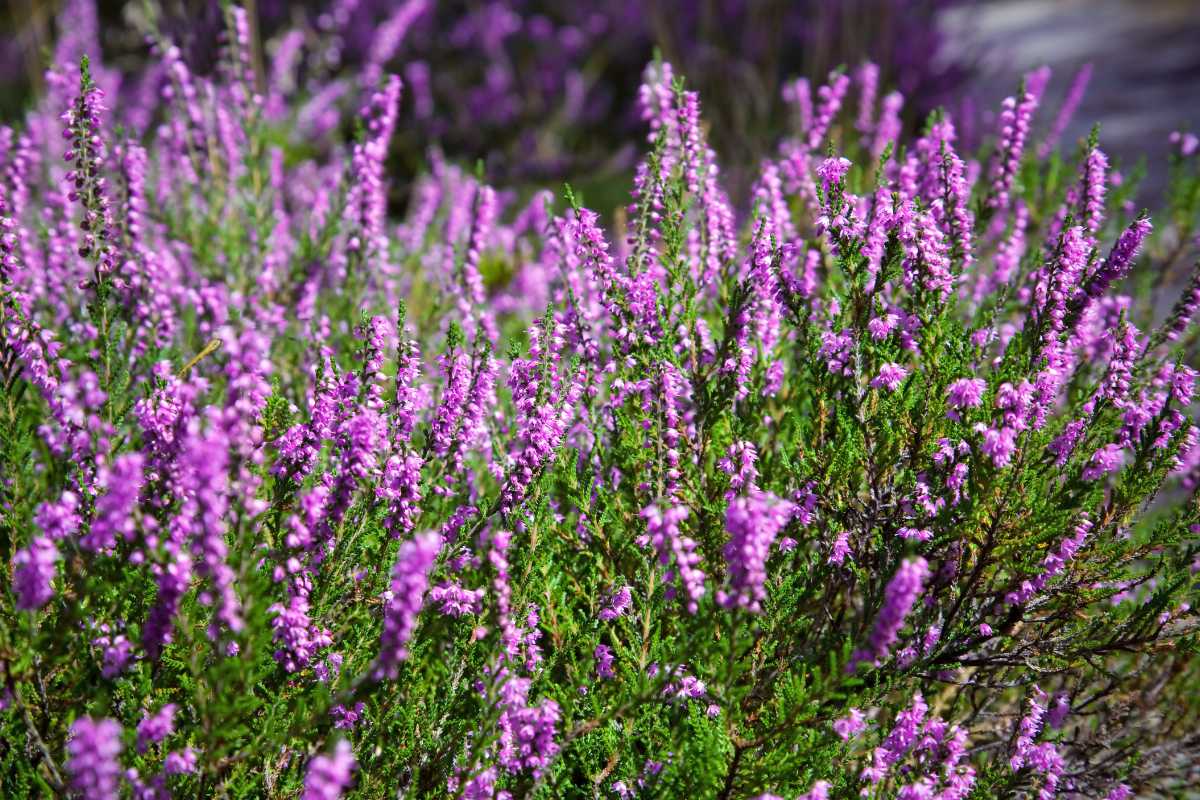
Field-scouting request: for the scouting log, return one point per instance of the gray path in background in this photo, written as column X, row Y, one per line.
column 1145, row 56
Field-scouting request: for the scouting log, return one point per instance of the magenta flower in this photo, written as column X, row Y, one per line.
column 965, row 393
column 752, row 522
column 898, row 599
column 410, row 578
column 890, row 377
column 155, row 727
column 329, row 776
column 92, row 762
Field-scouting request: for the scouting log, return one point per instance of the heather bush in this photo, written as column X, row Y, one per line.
column 880, row 481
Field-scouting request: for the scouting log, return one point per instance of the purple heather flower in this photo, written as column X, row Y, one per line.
column 832, row 172
column 867, row 78
column 904, row 734
column 118, row 652
column 1028, row 729
column 92, row 749
column 899, row 597
column 851, row 725
column 328, row 776
column 1014, row 129
column 617, row 604
column 410, row 577
column 1052, row 565
column 121, row 482
column 965, row 393
column 155, row 727
column 882, row 326
column 819, row 791
column 180, row 762
column 526, row 731
column 829, row 103
column 840, row 549
column 1058, row 713
column 890, row 377
column 1120, row 259
column 999, row 444
column 346, row 718
column 676, row 552
column 455, row 601
column 604, row 662
column 752, row 522
column 798, row 93
column 33, row 571
column 888, row 128
column 1106, row 459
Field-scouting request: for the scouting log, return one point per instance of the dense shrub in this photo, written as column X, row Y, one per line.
column 880, row 482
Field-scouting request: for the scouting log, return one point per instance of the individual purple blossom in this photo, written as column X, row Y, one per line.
column 881, row 327
column 898, row 599
column 840, row 548
column 1120, row 259
column 819, row 791
column 1028, row 729
column 92, row 752
column 401, row 487
column 832, row 171
column 904, row 734
column 752, row 522
column 1187, row 142
column 1106, row 459
column 890, row 376
column 368, row 200
column 410, row 578
column 205, row 466
column 121, row 483
column 1015, row 121
column 604, row 662
column 527, row 731
column 180, row 762
column 739, row 463
column 1119, row 792
column 926, row 258
column 86, row 182
column 455, row 601
column 676, row 552
column 1052, row 565
column 798, row 93
column 965, row 393
column 888, row 128
column 117, row 653
column 34, row 568
column 155, row 727
column 328, row 776
column 1058, row 713
column 867, row 77
column 616, row 606
column 173, row 580
column 999, row 444
column 1095, row 173
column 1185, row 308
column 346, row 718
column 851, row 725
column 829, row 103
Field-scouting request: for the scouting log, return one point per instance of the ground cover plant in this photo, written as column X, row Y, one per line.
column 879, row 481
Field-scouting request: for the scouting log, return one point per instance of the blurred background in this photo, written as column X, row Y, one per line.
column 546, row 91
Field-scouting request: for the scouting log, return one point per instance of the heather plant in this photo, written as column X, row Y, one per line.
column 878, row 482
